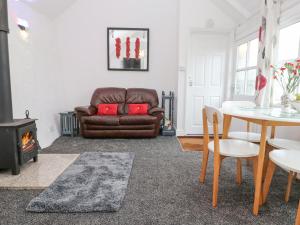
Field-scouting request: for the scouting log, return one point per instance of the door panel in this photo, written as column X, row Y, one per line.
column 198, row 103
column 205, row 75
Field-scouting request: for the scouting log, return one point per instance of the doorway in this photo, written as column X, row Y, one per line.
column 206, row 74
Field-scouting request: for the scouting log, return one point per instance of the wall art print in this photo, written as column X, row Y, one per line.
column 128, row 49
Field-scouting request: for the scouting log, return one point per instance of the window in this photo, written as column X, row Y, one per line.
column 246, row 67
column 289, row 49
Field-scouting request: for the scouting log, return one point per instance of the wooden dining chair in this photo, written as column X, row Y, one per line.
column 242, row 135
column 286, row 144
column 287, row 160
column 223, row 148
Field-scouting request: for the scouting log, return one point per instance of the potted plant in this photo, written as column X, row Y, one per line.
column 288, row 76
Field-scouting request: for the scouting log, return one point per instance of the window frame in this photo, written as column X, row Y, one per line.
column 274, row 100
column 247, row 68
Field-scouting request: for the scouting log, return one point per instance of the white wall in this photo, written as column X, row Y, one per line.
column 82, row 44
column 65, row 59
column 34, row 74
column 195, row 15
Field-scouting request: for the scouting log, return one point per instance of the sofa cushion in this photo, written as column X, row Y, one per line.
column 101, row 120
column 141, row 96
column 107, row 109
column 110, row 96
column 138, row 109
column 121, row 127
column 137, row 120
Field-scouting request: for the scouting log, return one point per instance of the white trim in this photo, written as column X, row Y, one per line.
column 180, row 132
column 246, row 68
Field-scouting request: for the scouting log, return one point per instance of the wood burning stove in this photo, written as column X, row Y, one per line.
column 18, row 141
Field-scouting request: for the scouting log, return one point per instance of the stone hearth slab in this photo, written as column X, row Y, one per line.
column 37, row 175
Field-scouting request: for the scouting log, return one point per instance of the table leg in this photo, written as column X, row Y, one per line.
column 226, row 126
column 273, row 132
column 260, row 167
column 298, row 216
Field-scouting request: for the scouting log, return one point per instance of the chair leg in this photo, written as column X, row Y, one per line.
column 204, row 166
column 239, row 172
column 254, row 168
column 268, row 180
column 298, row 216
column 217, row 163
column 248, row 162
column 289, row 187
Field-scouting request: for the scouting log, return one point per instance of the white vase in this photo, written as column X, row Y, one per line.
column 286, row 100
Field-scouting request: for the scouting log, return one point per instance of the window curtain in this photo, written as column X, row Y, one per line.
column 267, row 54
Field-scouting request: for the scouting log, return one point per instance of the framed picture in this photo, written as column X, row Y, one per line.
column 128, row 49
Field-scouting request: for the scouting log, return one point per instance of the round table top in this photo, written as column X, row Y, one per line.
column 269, row 114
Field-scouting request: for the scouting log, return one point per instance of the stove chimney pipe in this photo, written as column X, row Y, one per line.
column 6, row 114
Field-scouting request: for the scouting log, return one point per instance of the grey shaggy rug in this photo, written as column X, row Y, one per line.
column 95, row 182
column 163, row 190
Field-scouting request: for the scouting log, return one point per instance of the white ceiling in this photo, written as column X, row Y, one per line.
column 238, row 10
column 50, row 8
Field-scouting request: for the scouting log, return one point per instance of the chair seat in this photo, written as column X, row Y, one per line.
column 284, row 144
column 236, row 148
column 286, row 159
column 246, row 136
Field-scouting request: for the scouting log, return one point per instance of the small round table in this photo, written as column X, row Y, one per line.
column 265, row 117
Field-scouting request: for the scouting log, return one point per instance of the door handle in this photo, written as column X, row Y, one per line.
column 190, row 81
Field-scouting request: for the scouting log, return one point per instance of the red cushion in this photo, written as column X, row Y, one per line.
column 137, row 109
column 107, row 109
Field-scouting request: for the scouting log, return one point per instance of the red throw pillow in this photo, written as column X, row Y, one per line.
column 107, row 109
column 137, row 109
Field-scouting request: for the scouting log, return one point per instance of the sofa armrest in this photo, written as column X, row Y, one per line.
column 86, row 110
column 156, row 111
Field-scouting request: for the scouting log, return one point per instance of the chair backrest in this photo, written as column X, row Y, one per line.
column 213, row 116
column 210, row 111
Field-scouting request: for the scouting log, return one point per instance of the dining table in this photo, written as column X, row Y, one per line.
column 266, row 118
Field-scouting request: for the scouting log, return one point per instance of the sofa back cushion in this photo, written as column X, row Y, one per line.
column 141, row 96
column 110, row 96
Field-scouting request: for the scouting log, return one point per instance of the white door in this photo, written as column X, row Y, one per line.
column 206, row 69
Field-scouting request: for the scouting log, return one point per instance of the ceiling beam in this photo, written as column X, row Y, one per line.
column 229, row 10
column 239, row 7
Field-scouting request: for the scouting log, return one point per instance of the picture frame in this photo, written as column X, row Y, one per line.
column 128, row 49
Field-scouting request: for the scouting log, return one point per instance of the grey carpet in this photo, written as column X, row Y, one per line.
column 95, row 182
column 163, row 190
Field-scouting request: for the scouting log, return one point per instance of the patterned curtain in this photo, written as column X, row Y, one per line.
column 267, row 55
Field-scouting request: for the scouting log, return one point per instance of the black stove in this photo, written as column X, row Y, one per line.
column 18, row 144
column 18, row 140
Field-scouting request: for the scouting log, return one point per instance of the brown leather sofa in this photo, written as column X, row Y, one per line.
column 122, row 125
